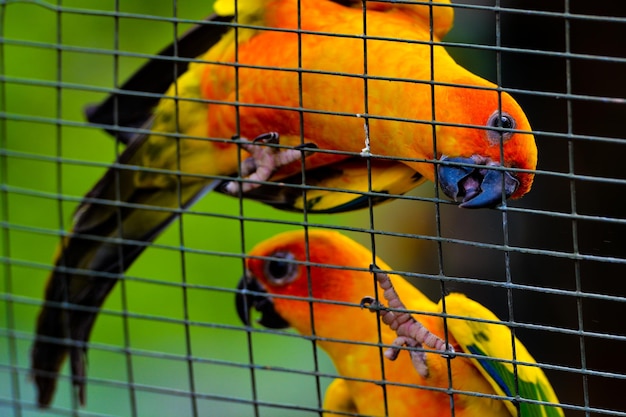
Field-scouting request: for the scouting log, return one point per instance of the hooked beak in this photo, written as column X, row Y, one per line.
column 252, row 295
column 475, row 187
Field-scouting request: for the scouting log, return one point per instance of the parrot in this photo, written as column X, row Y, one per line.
column 316, row 281
column 357, row 100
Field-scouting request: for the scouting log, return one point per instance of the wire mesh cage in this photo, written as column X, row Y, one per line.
column 168, row 340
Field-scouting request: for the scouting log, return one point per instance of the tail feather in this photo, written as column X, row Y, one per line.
column 106, row 239
column 126, row 210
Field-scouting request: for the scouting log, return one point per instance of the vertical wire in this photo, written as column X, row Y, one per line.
column 439, row 240
column 132, row 395
column 6, row 241
column 574, row 211
column 504, row 212
column 242, row 234
column 305, row 219
column 181, row 229
column 59, row 180
column 370, row 206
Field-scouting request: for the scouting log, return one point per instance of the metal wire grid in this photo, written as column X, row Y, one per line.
column 544, row 245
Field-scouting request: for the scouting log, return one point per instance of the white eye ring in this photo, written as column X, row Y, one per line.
column 281, row 272
column 500, row 120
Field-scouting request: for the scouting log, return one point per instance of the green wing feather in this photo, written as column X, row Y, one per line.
column 491, row 343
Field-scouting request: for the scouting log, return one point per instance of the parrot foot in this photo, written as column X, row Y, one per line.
column 264, row 161
column 410, row 332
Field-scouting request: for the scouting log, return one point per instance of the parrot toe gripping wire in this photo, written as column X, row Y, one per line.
column 410, row 332
column 264, row 161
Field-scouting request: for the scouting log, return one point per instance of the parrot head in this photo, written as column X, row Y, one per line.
column 281, row 279
column 486, row 161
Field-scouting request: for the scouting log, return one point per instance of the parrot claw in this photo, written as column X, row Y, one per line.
column 410, row 332
column 263, row 162
column 371, row 304
column 477, row 187
column 269, row 137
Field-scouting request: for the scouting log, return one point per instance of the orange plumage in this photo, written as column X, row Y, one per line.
column 409, row 96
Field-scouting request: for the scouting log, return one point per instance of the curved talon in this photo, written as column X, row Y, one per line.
column 450, row 352
column 263, row 161
column 370, row 303
column 269, row 137
column 307, row 145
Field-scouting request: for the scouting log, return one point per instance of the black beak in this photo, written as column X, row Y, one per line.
column 475, row 187
column 252, row 295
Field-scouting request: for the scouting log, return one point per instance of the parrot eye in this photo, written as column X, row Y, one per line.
column 281, row 272
column 500, row 120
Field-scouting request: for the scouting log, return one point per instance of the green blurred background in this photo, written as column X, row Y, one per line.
column 55, row 62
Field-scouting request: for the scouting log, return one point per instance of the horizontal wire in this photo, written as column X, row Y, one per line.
column 496, row 9
column 472, row 243
column 278, row 369
column 113, row 90
column 66, row 122
column 114, row 203
column 58, row 411
column 445, row 44
column 464, row 242
column 529, row 326
column 199, row 360
column 79, row 162
column 69, row 123
column 482, row 282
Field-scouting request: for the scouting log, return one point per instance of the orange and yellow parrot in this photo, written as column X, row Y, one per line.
column 474, row 358
column 322, row 88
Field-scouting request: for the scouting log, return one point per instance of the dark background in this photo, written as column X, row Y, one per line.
column 583, row 136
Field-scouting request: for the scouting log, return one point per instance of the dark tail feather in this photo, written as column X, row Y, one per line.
column 91, row 261
column 86, row 272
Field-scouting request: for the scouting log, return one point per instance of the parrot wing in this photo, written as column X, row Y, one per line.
column 132, row 104
column 92, row 256
column 492, row 346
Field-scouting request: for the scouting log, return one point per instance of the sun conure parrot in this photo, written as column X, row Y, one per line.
column 293, row 74
column 315, row 282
